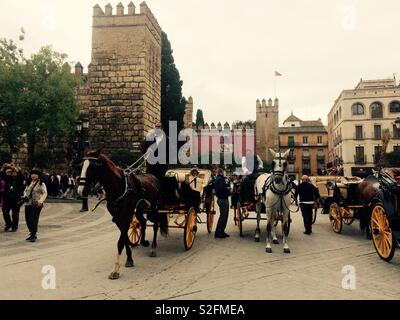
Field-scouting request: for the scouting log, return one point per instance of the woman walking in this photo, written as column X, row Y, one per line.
column 35, row 194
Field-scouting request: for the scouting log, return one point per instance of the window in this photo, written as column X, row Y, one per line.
column 394, row 106
column 306, row 165
column 340, row 112
column 305, row 140
column 359, row 133
column 377, row 131
column 359, row 156
column 306, row 153
column 319, row 139
column 291, row 142
column 357, row 109
column 377, row 153
column 396, row 132
column 376, row 110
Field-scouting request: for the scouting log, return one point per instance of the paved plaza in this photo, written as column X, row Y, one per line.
column 82, row 249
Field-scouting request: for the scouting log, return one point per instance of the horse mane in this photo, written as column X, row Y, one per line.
column 110, row 165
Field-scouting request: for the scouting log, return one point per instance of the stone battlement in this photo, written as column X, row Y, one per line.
column 263, row 105
column 123, row 18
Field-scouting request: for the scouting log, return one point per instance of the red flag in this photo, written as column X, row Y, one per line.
column 277, row 74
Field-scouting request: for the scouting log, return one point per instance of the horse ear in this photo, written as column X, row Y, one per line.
column 286, row 154
column 98, row 152
column 273, row 153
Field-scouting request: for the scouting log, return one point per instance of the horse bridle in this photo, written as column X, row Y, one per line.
column 280, row 173
column 127, row 189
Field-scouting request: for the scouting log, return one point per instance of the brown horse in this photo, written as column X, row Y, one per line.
column 139, row 194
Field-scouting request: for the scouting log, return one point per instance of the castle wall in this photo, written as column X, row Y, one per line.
column 124, row 77
column 267, row 126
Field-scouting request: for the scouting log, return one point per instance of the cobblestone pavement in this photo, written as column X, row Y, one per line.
column 82, row 248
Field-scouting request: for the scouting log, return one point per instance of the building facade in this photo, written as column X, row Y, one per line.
column 356, row 121
column 308, row 141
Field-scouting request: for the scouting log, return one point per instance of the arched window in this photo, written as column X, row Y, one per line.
column 376, row 110
column 394, row 106
column 357, row 109
column 340, row 112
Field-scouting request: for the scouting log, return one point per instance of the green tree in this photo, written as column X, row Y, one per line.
column 49, row 98
column 124, row 158
column 199, row 118
column 172, row 101
column 12, row 84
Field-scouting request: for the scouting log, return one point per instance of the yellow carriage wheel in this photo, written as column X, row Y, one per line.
column 335, row 217
column 347, row 215
column 134, row 232
column 239, row 218
column 210, row 215
column 190, row 228
column 382, row 235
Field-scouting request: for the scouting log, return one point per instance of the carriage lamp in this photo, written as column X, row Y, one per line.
column 78, row 124
column 397, row 123
column 85, row 123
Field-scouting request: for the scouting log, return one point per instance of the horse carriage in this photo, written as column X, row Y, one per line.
column 343, row 200
column 183, row 201
column 382, row 197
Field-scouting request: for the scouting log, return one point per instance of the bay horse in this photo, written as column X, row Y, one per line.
column 276, row 191
column 125, row 195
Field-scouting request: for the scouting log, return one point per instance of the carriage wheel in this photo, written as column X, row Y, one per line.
column 382, row 235
column 190, row 228
column 314, row 218
column 335, row 217
column 210, row 215
column 239, row 218
column 347, row 215
column 135, row 232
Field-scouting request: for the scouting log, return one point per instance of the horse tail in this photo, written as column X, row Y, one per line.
column 163, row 224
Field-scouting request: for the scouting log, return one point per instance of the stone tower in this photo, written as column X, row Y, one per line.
column 267, row 125
column 124, row 76
column 188, row 117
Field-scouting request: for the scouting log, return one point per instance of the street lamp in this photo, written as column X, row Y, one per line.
column 78, row 124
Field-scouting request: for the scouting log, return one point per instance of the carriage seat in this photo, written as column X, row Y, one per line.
column 393, row 173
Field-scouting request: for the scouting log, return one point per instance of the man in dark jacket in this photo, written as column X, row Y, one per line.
column 308, row 195
column 13, row 189
column 154, row 147
column 222, row 193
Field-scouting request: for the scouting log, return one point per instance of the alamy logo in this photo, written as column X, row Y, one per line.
column 49, row 280
column 349, row 280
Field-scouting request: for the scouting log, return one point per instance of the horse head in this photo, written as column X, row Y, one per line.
column 279, row 165
column 94, row 165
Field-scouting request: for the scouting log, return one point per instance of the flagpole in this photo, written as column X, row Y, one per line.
column 275, row 84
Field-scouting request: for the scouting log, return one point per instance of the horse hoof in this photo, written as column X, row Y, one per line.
column 268, row 250
column 114, row 276
column 286, row 250
column 257, row 239
column 153, row 254
column 129, row 264
column 275, row 241
column 145, row 243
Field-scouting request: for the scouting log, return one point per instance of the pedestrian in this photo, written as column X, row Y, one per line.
column 308, row 197
column 13, row 189
column 222, row 193
column 69, row 192
column 34, row 195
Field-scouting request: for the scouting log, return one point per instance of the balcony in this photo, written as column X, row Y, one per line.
column 306, row 157
column 360, row 159
column 337, row 140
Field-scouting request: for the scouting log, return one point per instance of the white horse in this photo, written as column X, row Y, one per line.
column 259, row 193
column 277, row 197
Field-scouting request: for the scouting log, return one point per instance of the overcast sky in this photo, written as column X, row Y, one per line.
column 227, row 50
